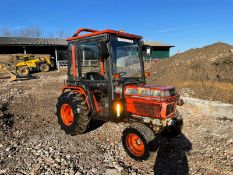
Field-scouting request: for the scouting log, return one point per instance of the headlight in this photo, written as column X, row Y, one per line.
column 118, row 108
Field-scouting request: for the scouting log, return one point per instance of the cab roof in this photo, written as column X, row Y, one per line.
column 92, row 32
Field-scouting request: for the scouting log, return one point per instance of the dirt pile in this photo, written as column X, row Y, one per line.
column 203, row 72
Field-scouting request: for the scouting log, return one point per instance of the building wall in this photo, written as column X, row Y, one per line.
column 157, row 53
column 31, row 50
column 160, row 53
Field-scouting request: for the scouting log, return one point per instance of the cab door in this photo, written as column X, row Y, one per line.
column 94, row 76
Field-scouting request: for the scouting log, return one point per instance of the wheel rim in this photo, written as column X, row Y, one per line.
column 24, row 71
column 45, row 67
column 135, row 144
column 67, row 114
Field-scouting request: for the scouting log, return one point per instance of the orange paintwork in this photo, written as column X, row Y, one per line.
column 151, row 87
column 149, row 106
column 98, row 107
column 67, row 114
column 96, row 32
column 74, row 62
column 135, row 144
column 78, row 89
column 117, row 76
column 83, row 30
column 102, row 67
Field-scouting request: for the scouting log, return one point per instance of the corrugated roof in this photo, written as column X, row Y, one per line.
column 32, row 41
column 55, row 42
column 155, row 43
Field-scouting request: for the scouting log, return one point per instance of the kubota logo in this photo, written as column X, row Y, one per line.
column 142, row 91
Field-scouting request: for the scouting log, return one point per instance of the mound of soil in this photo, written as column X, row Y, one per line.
column 205, row 72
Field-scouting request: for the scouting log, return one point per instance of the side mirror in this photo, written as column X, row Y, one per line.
column 103, row 50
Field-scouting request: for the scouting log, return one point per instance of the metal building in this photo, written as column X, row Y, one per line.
column 156, row 50
column 16, row 45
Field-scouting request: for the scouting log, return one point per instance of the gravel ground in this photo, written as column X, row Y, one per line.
column 31, row 141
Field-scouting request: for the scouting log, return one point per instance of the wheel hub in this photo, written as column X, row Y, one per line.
column 67, row 114
column 135, row 144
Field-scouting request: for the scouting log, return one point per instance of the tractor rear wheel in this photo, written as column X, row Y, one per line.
column 136, row 139
column 22, row 71
column 44, row 67
column 73, row 113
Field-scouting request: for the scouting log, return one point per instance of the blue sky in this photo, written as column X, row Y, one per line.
column 183, row 23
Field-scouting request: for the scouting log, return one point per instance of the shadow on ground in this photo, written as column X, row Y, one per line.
column 95, row 124
column 30, row 77
column 171, row 156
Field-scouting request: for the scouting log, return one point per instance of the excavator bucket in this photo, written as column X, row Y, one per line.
column 4, row 70
column 13, row 76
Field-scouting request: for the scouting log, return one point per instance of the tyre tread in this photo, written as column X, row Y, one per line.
column 83, row 118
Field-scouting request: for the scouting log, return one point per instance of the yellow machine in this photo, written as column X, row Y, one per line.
column 25, row 63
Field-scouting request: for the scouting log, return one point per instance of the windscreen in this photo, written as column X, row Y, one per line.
column 125, row 57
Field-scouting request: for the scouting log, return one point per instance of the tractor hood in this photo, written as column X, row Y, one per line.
column 150, row 91
column 151, row 101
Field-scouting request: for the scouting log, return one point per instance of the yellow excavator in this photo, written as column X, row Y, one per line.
column 20, row 65
column 25, row 63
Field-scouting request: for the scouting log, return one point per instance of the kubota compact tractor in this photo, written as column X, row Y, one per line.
column 106, row 81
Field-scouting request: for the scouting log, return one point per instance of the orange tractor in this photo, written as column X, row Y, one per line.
column 106, row 81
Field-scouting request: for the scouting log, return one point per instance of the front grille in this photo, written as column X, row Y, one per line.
column 170, row 108
column 146, row 109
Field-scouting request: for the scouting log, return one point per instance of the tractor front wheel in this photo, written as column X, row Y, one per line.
column 73, row 113
column 22, row 71
column 44, row 67
column 136, row 139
